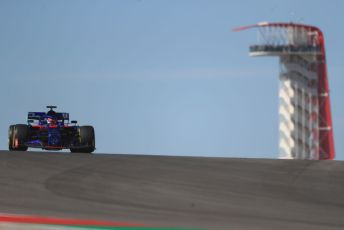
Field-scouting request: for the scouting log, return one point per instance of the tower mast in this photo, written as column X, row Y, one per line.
column 305, row 123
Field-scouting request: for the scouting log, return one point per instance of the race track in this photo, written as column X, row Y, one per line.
column 213, row 193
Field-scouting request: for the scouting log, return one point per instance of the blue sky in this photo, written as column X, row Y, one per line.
column 158, row 77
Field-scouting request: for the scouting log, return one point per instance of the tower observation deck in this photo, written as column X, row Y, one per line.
column 305, row 123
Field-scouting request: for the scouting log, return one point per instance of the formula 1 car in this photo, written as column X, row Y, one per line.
column 51, row 131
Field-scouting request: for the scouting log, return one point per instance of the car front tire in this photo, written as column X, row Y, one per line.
column 86, row 138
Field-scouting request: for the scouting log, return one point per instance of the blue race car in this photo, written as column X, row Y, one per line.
column 51, row 131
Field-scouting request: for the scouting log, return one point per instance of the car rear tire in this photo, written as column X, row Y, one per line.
column 17, row 137
column 86, row 138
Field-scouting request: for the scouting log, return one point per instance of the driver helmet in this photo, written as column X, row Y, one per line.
column 50, row 121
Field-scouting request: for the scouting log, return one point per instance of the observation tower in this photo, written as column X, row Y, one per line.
column 305, row 123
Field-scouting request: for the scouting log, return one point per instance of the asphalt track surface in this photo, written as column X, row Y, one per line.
column 213, row 193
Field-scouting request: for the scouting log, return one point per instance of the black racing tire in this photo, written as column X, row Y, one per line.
column 19, row 137
column 10, row 137
column 86, row 138
column 72, row 150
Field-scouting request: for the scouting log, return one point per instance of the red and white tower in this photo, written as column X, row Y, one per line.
column 305, row 126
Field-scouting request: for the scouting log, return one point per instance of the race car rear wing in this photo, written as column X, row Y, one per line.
column 42, row 115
